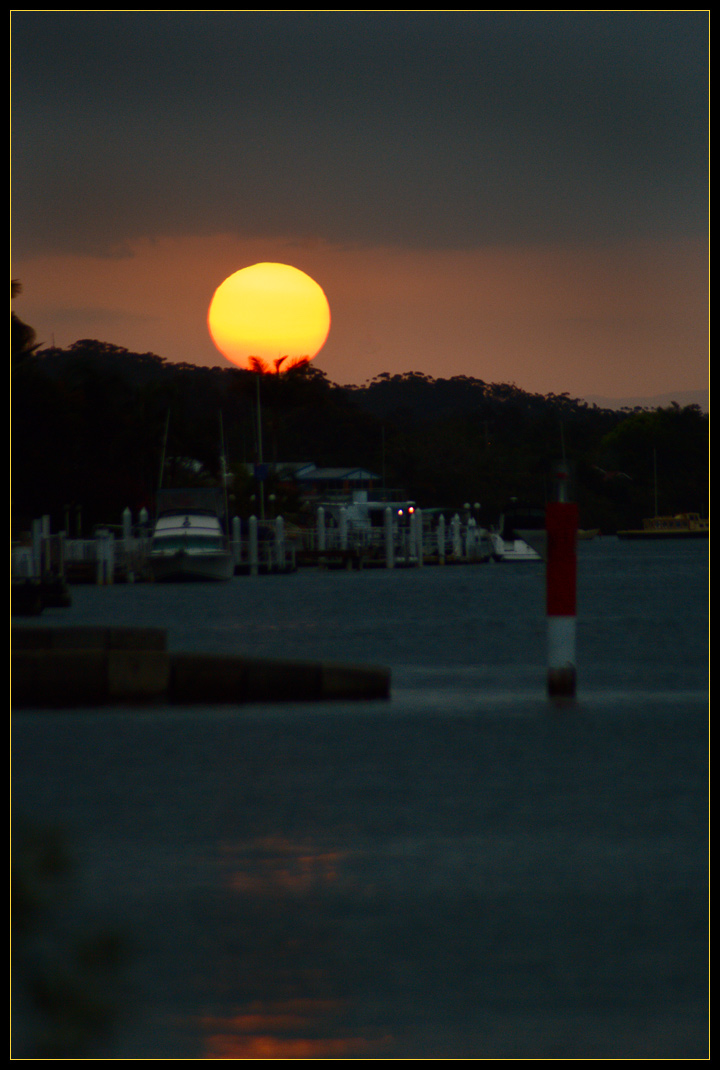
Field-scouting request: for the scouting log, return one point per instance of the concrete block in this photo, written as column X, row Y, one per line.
column 26, row 599
column 77, row 676
column 210, row 678
column 86, row 638
column 207, row 678
column 355, row 682
column 137, row 675
column 50, row 678
column 283, row 681
column 78, row 638
column 31, row 638
column 136, row 639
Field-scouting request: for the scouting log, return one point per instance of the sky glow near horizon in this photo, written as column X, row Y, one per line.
column 514, row 196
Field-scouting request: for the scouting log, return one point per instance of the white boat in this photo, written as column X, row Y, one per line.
column 511, row 549
column 680, row 526
column 519, row 536
column 188, row 541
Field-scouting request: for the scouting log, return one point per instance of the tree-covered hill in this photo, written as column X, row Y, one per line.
column 91, row 423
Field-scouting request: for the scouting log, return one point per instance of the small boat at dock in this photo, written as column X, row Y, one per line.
column 519, row 536
column 512, row 549
column 189, row 542
column 680, row 526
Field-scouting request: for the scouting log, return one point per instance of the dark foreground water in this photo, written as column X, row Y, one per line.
column 464, row 871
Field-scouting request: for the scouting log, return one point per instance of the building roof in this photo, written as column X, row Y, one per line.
column 311, row 474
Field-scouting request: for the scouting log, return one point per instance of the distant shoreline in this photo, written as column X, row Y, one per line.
column 682, row 397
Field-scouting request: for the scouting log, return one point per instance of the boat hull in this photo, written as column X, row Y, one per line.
column 654, row 535
column 192, row 567
column 682, row 526
column 508, row 550
column 189, row 543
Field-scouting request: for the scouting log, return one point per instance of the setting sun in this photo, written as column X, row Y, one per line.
column 270, row 311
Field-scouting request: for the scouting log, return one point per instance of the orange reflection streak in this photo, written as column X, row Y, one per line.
column 274, row 866
column 292, row 879
column 266, row 1031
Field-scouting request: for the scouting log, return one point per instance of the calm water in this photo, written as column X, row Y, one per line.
column 463, row 871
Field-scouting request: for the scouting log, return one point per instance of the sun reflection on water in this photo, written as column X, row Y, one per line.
column 289, row 957
column 290, row 1029
column 274, row 866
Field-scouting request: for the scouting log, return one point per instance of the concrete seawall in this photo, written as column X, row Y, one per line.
column 70, row 667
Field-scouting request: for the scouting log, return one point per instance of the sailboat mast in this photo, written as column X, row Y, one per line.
column 223, row 470
column 655, row 483
column 162, row 455
column 259, row 448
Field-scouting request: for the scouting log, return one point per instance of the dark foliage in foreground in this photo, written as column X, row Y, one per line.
column 91, row 423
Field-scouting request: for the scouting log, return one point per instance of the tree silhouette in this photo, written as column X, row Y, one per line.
column 22, row 337
column 88, row 430
column 261, row 367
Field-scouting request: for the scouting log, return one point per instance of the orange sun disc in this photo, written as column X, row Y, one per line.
column 268, row 311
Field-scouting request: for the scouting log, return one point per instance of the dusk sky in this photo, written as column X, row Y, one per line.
column 514, row 196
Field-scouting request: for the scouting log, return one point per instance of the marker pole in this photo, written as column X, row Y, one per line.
column 561, row 522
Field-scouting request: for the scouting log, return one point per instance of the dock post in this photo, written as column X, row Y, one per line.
column 45, row 568
column 105, row 557
column 280, row 543
column 389, row 548
column 419, row 548
column 236, row 540
column 253, row 545
column 61, row 554
column 471, row 539
column 36, row 549
column 99, row 559
column 456, row 539
column 561, row 522
column 126, row 553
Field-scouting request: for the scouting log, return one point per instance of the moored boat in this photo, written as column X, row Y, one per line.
column 189, row 542
column 681, row 526
column 519, row 536
column 513, row 549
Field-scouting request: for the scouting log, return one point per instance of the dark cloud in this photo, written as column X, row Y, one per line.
column 425, row 129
